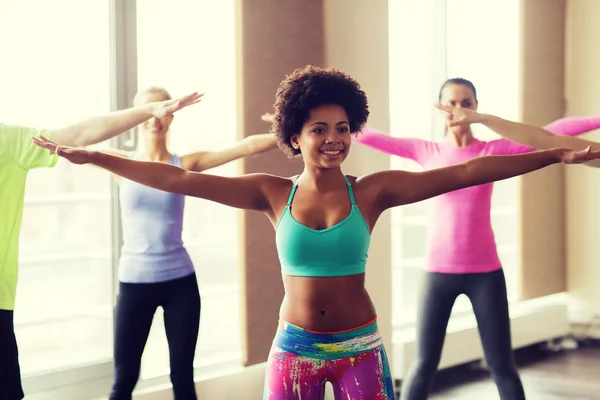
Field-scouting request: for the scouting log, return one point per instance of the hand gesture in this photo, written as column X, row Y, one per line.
column 458, row 115
column 165, row 108
column 578, row 157
column 73, row 154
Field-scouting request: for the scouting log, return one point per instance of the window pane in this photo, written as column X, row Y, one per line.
column 407, row 282
column 414, row 240
column 52, row 77
column 187, row 45
column 412, row 86
column 505, row 193
column 494, row 69
column 494, row 66
column 510, row 260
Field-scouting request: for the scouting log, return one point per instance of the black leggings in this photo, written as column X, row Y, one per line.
column 136, row 305
column 487, row 292
column 10, row 373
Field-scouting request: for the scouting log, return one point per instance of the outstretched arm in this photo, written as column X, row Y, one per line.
column 569, row 126
column 414, row 149
column 248, row 146
column 536, row 137
column 98, row 129
column 246, row 192
column 525, row 134
column 400, row 187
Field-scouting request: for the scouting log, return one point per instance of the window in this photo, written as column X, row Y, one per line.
column 412, row 87
column 466, row 38
column 51, row 77
column 60, row 72
column 494, row 69
column 187, row 45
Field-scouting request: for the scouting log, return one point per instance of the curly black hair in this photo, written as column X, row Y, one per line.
column 311, row 87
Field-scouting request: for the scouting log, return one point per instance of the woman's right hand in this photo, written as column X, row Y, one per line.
column 568, row 156
column 75, row 155
column 460, row 116
column 165, row 108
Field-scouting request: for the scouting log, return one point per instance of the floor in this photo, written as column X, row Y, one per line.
column 569, row 374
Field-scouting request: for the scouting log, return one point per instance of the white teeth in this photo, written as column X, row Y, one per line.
column 332, row 153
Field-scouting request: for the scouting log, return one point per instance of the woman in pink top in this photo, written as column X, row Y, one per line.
column 462, row 255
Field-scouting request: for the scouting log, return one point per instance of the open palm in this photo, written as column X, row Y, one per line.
column 73, row 154
column 165, row 108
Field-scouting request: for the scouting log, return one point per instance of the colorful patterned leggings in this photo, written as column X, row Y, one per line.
column 353, row 361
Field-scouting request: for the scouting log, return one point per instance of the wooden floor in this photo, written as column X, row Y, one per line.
column 567, row 375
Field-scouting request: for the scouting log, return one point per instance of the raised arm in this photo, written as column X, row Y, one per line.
column 400, row 187
column 248, row 146
column 98, row 129
column 536, row 137
column 414, row 149
column 246, row 192
column 525, row 134
column 569, row 126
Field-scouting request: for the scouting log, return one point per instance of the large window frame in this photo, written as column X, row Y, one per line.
column 123, row 75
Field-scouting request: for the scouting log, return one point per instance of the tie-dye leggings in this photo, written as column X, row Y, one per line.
column 353, row 361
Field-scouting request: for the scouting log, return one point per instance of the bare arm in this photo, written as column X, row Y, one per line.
column 534, row 136
column 400, row 187
column 248, row 192
column 526, row 134
column 245, row 192
column 98, row 129
column 248, row 146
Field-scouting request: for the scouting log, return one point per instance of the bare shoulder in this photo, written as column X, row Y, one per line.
column 380, row 179
column 275, row 182
column 375, row 187
column 365, row 188
column 370, row 182
column 276, row 186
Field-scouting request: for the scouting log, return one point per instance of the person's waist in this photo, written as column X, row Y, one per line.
column 463, row 255
column 152, row 272
column 140, row 231
column 142, row 261
column 328, row 345
column 150, row 251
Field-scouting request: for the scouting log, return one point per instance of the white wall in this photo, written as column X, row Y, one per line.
column 582, row 192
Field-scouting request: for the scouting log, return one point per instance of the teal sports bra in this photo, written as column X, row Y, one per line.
column 340, row 250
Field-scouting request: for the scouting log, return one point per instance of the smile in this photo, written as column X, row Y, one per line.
column 331, row 152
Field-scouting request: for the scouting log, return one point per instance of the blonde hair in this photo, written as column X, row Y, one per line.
column 151, row 90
